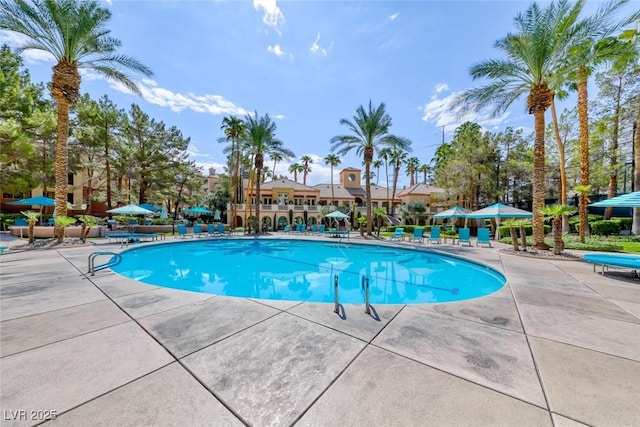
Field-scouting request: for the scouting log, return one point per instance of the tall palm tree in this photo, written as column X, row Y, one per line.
column 75, row 33
column 276, row 157
column 370, row 132
column 535, row 57
column 234, row 129
column 397, row 158
column 306, row 160
column 333, row 161
column 593, row 47
column 412, row 166
column 262, row 141
column 384, row 154
column 294, row 168
column 377, row 164
column 424, row 169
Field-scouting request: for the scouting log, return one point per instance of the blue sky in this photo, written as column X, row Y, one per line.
column 305, row 63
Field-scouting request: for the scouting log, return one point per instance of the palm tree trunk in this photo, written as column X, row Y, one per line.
column 558, row 244
column 613, row 176
column 62, row 161
column 562, row 161
column 583, row 121
column 259, row 164
column 396, row 169
column 514, row 238
column 386, row 172
column 635, row 227
column 368, row 158
column 333, row 195
column 538, row 181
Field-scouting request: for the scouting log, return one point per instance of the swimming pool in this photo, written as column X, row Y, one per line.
column 303, row 270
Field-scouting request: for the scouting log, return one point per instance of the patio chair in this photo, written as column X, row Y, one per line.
column 484, row 237
column 287, row 229
column 298, row 229
column 212, row 230
column 197, row 231
column 434, row 236
column 182, row 231
column 417, row 235
column 321, row 229
column 398, row 234
column 464, row 236
column 314, row 229
column 222, row 231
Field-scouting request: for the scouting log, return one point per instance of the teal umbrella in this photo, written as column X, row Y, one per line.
column 498, row 211
column 150, row 207
column 130, row 210
column 38, row 200
column 198, row 210
column 629, row 200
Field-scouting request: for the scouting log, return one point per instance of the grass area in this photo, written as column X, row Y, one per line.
column 630, row 247
column 593, row 243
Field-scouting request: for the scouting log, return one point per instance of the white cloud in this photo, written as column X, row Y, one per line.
column 212, row 104
column 394, row 16
column 278, row 116
column 441, row 112
column 276, row 50
column 31, row 56
column 109, row 2
column 272, row 15
column 315, row 47
column 441, row 87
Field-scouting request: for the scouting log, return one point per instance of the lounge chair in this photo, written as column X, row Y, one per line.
column 222, row 231
column 197, row 231
column 182, row 231
column 464, row 236
column 484, row 237
column 287, row 228
column 314, row 229
column 298, row 229
column 321, row 229
column 398, row 234
column 212, row 230
column 417, row 235
column 434, row 236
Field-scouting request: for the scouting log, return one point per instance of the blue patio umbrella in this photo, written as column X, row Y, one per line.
column 38, row 200
column 150, row 207
column 454, row 212
column 498, row 211
column 629, row 200
column 198, row 210
column 130, row 210
column 35, row 201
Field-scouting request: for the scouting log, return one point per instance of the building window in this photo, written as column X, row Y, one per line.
column 70, row 178
column 70, row 198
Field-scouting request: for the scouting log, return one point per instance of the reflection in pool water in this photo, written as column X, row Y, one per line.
column 303, row 270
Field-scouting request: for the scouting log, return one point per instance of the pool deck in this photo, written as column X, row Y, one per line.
column 558, row 345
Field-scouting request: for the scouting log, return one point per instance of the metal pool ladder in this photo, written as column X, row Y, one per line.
column 116, row 258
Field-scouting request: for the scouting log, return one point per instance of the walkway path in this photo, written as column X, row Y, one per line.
column 559, row 345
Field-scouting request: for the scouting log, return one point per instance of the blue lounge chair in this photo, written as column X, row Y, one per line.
column 287, row 228
column 222, row 231
column 20, row 222
column 464, row 236
column 398, row 234
column 484, row 237
column 212, row 230
column 182, row 231
column 434, row 236
column 417, row 235
column 321, row 229
column 197, row 231
column 314, row 229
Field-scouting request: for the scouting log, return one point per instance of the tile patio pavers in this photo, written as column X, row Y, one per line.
column 70, row 345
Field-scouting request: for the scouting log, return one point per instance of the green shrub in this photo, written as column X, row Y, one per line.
column 605, row 228
column 625, row 223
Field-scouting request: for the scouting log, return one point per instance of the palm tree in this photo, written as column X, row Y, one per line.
column 32, row 219
column 370, row 130
column 262, row 141
column 412, row 166
column 381, row 214
column 333, row 161
column 535, row 57
column 234, row 129
column 424, row 169
column 75, row 34
column 294, row 168
column 385, row 154
column 305, row 167
column 555, row 213
column 377, row 164
column 276, row 157
column 397, row 158
column 594, row 47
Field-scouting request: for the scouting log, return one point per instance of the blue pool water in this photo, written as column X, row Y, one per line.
column 303, row 270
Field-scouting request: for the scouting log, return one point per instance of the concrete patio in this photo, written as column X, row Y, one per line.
column 558, row 345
